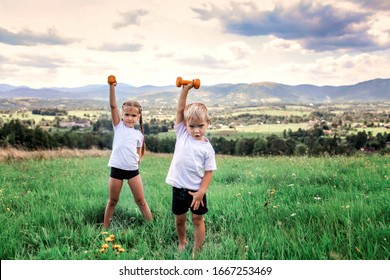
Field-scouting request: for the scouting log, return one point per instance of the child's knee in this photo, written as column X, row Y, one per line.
column 140, row 201
column 180, row 220
column 197, row 220
column 112, row 202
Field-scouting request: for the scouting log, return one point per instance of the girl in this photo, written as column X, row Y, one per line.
column 127, row 149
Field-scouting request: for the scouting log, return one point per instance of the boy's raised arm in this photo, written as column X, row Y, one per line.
column 181, row 104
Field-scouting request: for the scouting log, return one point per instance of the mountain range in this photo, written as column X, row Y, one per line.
column 377, row 90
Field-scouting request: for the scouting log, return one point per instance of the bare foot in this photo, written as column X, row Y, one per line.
column 181, row 247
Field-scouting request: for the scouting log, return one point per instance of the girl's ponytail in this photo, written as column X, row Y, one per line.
column 141, row 128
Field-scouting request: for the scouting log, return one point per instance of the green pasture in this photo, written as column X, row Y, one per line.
column 273, row 112
column 28, row 115
column 272, row 208
column 248, row 131
column 90, row 114
column 373, row 130
column 264, row 130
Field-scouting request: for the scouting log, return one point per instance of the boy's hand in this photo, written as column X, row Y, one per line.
column 188, row 87
column 197, row 199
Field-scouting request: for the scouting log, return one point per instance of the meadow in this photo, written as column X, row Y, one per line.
column 263, row 208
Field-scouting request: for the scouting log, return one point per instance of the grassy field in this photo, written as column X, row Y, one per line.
column 276, row 208
column 292, row 111
column 249, row 131
column 28, row 115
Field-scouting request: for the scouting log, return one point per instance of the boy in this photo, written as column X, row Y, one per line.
column 191, row 168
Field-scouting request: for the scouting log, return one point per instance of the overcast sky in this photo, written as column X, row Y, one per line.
column 68, row 43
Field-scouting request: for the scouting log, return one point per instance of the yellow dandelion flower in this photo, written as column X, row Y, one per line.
column 116, row 246
column 105, row 246
column 104, row 232
column 101, row 250
column 112, row 236
column 120, row 250
column 108, row 239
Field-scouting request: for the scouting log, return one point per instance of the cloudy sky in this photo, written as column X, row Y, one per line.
column 68, row 43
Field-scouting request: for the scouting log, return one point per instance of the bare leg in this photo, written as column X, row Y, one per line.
column 199, row 232
column 115, row 187
column 136, row 187
column 180, row 221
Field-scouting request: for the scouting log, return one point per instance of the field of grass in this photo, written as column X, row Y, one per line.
column 293, row 111
column 275, row 208
column 373, row 130
column 249, row 131
column 264, row 130
column 28, row 115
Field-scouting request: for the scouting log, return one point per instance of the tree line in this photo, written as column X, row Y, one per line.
column 49, row 112
column 15, row 134
column 311, row 142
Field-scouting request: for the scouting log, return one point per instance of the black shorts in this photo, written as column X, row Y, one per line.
column 181, row 202
column 121, row 174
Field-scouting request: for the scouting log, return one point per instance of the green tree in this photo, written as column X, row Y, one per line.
column 244, row 146
column 260, row 147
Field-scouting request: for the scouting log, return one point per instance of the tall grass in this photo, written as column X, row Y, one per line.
column 282, row 208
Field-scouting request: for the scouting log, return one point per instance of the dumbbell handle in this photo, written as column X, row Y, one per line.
column 180, row 82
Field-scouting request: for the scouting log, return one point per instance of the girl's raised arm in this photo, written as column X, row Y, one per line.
column 114, row 107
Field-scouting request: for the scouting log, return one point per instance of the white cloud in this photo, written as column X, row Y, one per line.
column 282, row 45
column 343, row 70
column 130, row 18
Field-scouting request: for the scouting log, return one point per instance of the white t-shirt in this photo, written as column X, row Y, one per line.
column 190, row 159
column 124, row 148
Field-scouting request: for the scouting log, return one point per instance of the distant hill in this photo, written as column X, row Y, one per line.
column 223, row 94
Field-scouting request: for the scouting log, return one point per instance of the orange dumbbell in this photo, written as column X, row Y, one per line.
column 111, row 79
column 180, row 82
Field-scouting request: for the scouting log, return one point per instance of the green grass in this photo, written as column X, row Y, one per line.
column 278, row 208
column 264, row 130
column 250, row 131
column 299, row 111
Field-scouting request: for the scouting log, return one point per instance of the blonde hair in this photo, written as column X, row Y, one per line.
column 135, row 104
column 196, row 111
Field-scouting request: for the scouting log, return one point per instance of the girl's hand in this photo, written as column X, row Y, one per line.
column 111, row 80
